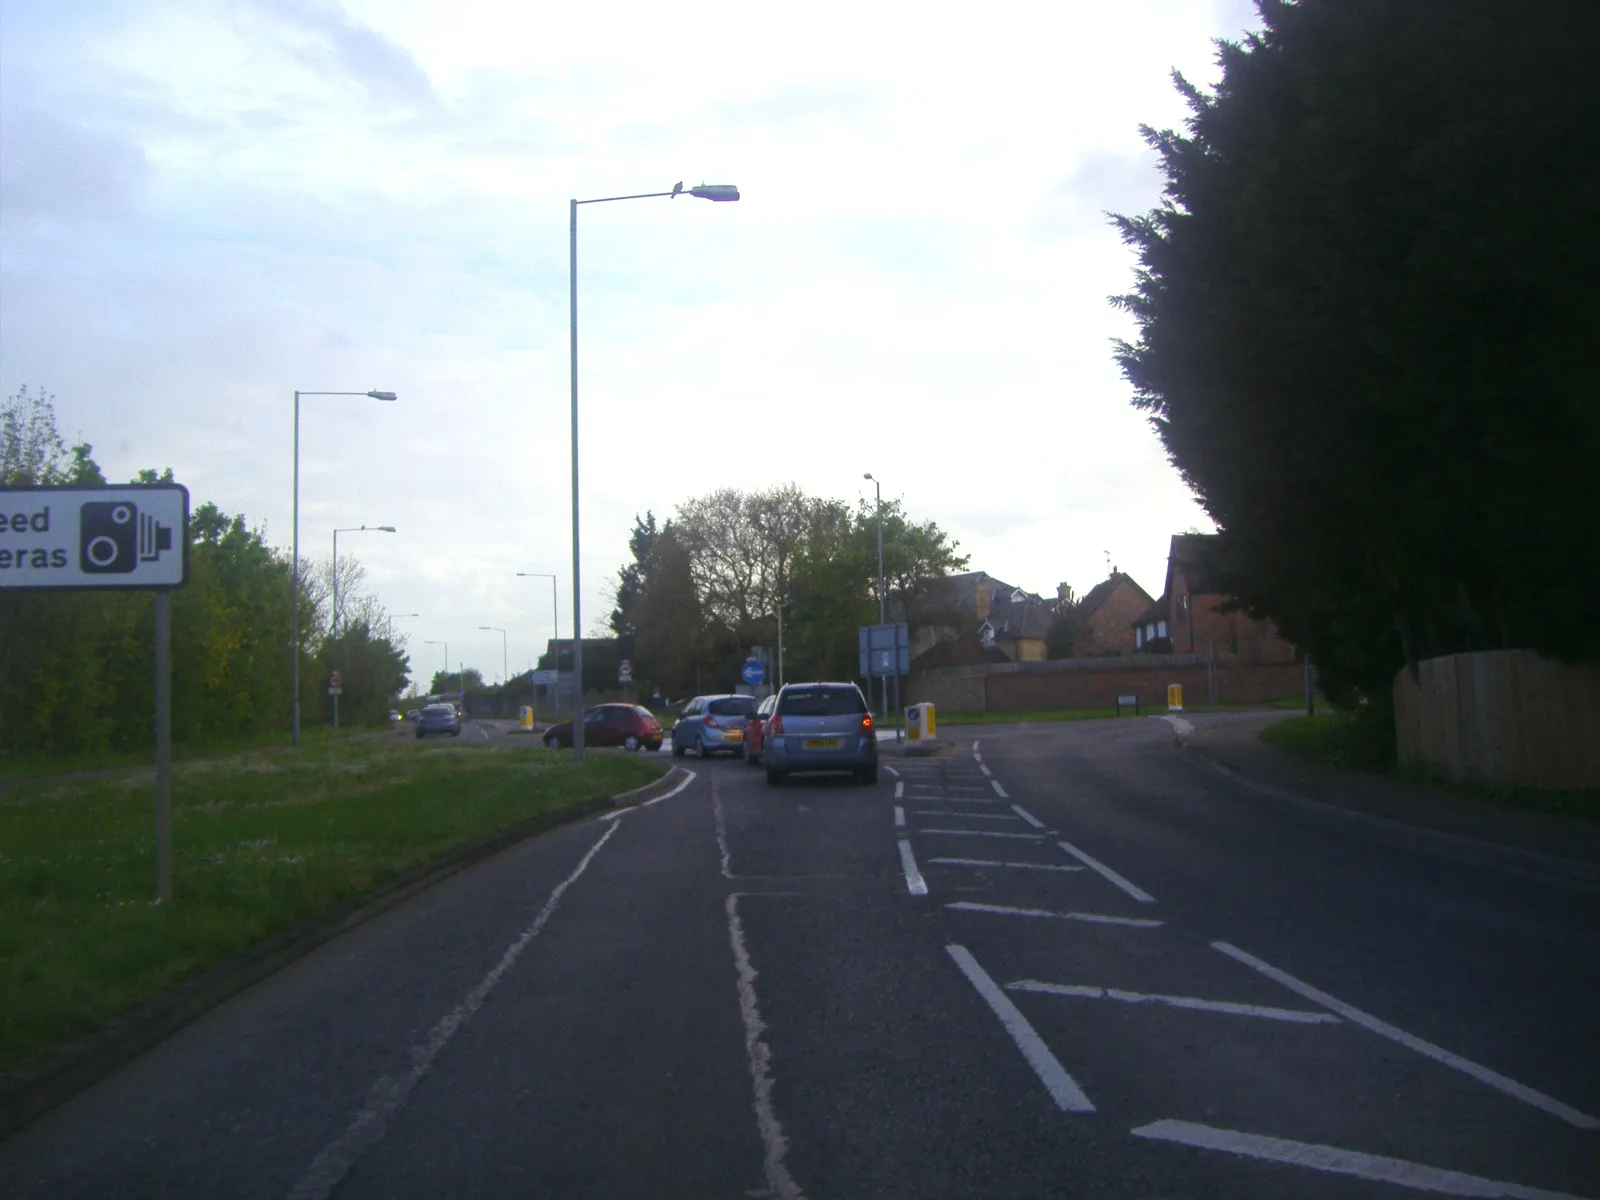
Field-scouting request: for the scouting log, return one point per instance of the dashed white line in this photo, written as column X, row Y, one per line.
column 1341, row 1162
column 1094, row 864
column 891, row 770
column 779, row 1182
column 984, row 767
column 390, row 1093
column 1027, row 837
column 899, row 817
column 1297, row 1016
column 1005, row 910
column 1438, row 1053
column 1027, row 816
column 974, row 745
column 915, row 883
column 963, row 816
column 999, row 791
column 991, row 862
column 1063, row 1089
column 899, row 788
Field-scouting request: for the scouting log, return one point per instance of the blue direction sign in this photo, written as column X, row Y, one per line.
column 752, row 672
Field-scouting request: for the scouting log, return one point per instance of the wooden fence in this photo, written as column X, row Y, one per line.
column 1506, row 716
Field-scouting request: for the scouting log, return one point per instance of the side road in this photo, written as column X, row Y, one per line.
column 1233, row 742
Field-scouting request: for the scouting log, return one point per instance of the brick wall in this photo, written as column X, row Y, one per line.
column 1097, row 682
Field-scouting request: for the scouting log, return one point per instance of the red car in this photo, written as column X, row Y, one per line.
column 628, row 725
column 755, row 730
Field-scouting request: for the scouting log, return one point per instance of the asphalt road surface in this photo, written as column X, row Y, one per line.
column 1065, row 960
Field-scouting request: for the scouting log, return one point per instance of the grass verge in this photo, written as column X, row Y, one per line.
column 1341, row 740
column 263, row 841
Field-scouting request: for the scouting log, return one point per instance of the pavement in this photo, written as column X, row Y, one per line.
column 1068, row 959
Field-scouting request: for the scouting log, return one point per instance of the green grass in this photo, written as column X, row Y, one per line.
column 1341, row 740
column 263, row 840
column 35, row 766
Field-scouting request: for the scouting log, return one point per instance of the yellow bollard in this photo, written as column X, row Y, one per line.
column 1174, row 697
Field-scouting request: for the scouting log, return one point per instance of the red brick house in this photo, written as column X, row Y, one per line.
column 1188, row 619
column 1107, row 615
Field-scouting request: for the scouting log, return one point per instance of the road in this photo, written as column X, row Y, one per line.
column 1064, row 960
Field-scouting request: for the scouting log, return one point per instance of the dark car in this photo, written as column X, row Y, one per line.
column 755, row 729
column 712, row 724
column 821, row 727
column 628, row 725
column 438, row 718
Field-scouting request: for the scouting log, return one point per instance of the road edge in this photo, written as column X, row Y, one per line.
column 37, row 1087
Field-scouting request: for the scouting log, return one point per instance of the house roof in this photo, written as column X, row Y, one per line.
column 1159, row 610
column 1013, row 611
column 1102, row 591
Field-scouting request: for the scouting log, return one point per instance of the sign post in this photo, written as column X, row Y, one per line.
column 111, row 537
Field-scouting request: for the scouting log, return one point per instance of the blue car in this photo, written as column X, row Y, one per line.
column 439, row 718
column 712, row 725
column 821, row 727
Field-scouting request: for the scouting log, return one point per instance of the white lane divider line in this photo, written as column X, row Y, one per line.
column 723, row 853
column 1298, row 1016
column 974, row 745
column 1341, row 1162
column 915, row 883
column 689, row 778
column 1027, row 816
column 899, row 788
column 1094, row 864
column 1063, row 1089
column 998, row 790
column 389, row 1095
column 984, row 767
column 1438, row 1053
column 891, row 770
column 899, row 817
column 993, row 862
column 774, row 1144
column 964, row 816
column 1005, row 910
column 1027, row 837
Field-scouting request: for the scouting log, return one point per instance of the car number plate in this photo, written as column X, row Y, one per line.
column 735, row 735
column 821, row 743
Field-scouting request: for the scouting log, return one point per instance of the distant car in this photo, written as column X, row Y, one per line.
column 412, row 714
column 627, row 725
column 394, row 715
column 711, row 725
column 821, row 727
column 438, row 718
column 755, row 729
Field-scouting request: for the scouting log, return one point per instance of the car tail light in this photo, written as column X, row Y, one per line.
column 774, row 725
column 866, row 722
column 711, row 723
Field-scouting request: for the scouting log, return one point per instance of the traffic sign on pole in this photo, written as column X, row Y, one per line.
column 753, row 672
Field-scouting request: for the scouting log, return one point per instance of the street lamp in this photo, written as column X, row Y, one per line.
column 555, row 635
column 711, row 191
column 294, row 578
column 505, row 669
column 333, row 625
column 446, row 646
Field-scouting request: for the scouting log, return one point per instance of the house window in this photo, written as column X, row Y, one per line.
column 1138, row 637
column 1161, row 629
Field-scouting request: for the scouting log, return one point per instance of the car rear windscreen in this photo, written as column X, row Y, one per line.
column 438, row 710
column 732, row 706
column 821, row 702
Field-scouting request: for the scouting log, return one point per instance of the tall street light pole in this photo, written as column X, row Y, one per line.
column 333, row 625
column 505, row 668
column 714, row 191
column 555, row 632
column 294, row 578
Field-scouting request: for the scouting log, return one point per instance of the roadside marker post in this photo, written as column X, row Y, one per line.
column 110, row 537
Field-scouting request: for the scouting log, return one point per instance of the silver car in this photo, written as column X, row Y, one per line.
column 711, row 725
column 821, row 727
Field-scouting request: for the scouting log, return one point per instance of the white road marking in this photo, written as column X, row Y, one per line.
column 1341, row 1162
column 1027, row 816
column 1294, row 1015
column 899, row 788
column 1029, row 837
column 952, row 800
column 974, row 745
column 964, row 816
column 1438, row 1053
column 891, row 770
column 948, row 787
column 389, row 1095
column 779, row 1182
column 1092, row 918
column 990, row 862
column 984, row 767
column 1094, row 864
column 899, row 817
column 722, row 832
column 1179, row 726
column 690, row 778
column 1063, row 1089
column 999, row 791
column 915, row 883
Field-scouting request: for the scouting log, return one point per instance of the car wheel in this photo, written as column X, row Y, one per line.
column 631, row 743
column 774, row 776
column 700, row 748
column 552, row 742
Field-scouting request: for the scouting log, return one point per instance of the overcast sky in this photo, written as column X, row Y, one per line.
column 204, row 206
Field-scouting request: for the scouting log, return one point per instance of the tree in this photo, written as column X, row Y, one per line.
column 1366, row 317
column 468, row 679
column 630, row 577
column 667, row 617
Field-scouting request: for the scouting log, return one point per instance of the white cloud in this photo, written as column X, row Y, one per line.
column 223, row 204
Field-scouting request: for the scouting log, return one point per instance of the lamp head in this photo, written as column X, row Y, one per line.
column 715, row 191
column 387, row 528
column 382, row 395
column 868, row 475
